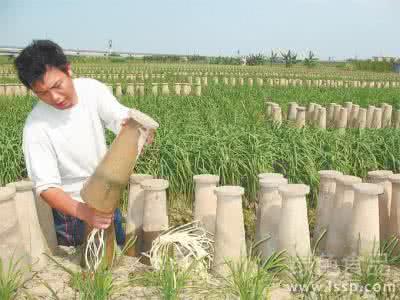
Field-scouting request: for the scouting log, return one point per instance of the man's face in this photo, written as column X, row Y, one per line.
column 56, row 88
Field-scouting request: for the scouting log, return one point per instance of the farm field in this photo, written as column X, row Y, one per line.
column 225, row 131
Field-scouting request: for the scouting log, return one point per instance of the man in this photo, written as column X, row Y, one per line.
column 63, row 137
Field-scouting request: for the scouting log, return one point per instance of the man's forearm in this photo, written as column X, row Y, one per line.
column 61, row 201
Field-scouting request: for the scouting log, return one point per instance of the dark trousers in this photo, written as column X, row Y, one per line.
column 71, row 231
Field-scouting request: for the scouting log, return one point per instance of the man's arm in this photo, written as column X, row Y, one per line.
column 59, row 200
column 110, row 110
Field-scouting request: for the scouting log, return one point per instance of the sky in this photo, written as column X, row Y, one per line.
column 330, row 28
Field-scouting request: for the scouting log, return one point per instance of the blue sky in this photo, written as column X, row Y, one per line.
column 340, row 28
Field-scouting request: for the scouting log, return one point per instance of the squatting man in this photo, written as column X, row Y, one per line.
column 64, row 138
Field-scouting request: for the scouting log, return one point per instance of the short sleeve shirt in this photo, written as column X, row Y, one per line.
column 62, row 148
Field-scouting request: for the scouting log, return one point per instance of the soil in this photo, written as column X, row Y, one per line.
column 59, row 280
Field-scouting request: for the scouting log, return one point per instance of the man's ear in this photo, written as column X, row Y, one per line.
column 69, row 69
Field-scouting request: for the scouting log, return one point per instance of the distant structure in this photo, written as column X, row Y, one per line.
column 14, row 51
column 397, row 67
column 109, row 47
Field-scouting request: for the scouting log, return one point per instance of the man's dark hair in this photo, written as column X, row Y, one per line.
column 31, row 63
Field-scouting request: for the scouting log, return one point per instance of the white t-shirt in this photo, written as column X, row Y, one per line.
column 62, row 148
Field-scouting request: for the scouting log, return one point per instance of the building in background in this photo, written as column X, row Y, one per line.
column 397, row 67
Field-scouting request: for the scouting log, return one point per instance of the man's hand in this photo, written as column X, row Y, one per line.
column 95, row 218
column 124, row 121
column 58, row 199
column 150, row 137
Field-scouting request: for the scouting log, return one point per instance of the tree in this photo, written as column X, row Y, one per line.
column 273, row 58
column 290, row 58
column 311, row 60
column 255, row 59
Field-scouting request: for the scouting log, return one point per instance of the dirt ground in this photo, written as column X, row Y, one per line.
column 58, row 280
